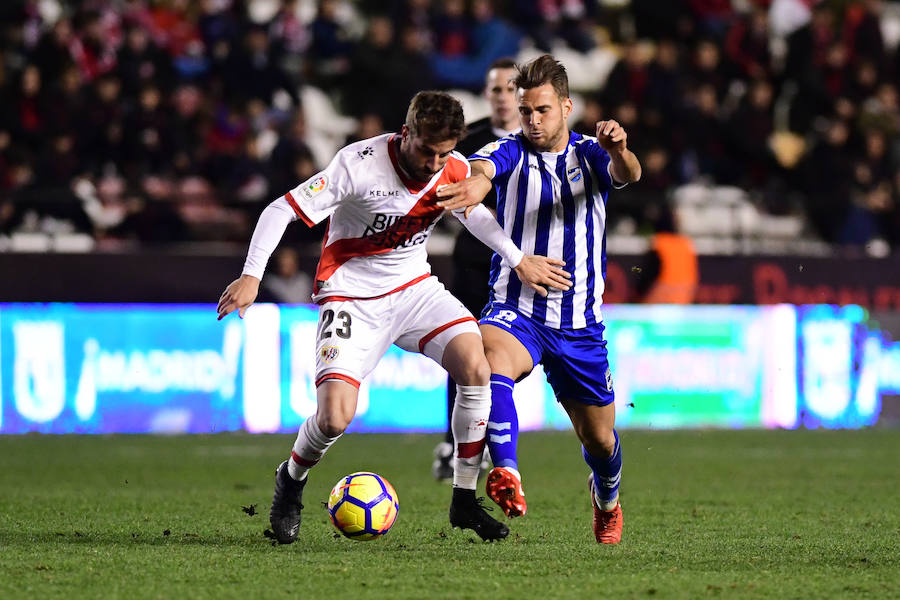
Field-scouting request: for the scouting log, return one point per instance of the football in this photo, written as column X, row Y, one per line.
column 363, row 506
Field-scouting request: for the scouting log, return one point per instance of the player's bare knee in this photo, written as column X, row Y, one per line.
column 475, row 370
column 333, row 423
column 599, row 442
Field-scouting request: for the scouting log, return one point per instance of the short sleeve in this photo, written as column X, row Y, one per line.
column 316, row 199
column 600, row 162
column 504, row 153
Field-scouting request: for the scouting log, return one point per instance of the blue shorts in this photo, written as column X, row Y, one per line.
column 574, row 360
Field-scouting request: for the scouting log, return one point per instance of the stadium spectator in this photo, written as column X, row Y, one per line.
column 706, row 68
column 254, row 74
column 805, row 61
column 630, row 78
column 489, row 38
column 637, row 209
column 705, row 153
column 52, row 55
column 330, row 46
column 291, row 159
column 141, row 63
column 547, row 21
column 671, row 270
column 452, row 37
column 827, row 198
column 747, row 44
column 665, row 80
column 374, row 61
column 748, row 131
column 712, row 16
column 287, row 283
column 369, row 125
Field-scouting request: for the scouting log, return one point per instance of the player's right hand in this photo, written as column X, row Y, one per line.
column 540, row 272
column 239, row 295
column 464, row 194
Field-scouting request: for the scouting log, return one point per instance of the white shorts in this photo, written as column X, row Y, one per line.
column 353, row 335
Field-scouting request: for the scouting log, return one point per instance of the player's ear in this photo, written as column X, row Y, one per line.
column 567, row 107
column 404, row 132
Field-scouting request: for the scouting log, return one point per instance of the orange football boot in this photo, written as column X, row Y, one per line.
column 607, row 524
column 504, row 487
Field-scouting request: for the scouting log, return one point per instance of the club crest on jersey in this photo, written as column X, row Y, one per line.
column 315, row 186
column 489, row 148
column 574, row 174
column 329, row 353
column 367, row 151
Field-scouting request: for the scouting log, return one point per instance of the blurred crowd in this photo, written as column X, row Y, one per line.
column 167, row 121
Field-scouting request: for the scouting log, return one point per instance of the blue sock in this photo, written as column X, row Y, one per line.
column 503, row 425
column 607, row 471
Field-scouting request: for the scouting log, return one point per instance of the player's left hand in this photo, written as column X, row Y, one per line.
column 611, row 136
column 464, row 194
column 239, row 294
column 540, row 272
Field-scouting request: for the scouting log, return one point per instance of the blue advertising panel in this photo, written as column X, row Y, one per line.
column 839, row 365
column 83, row 368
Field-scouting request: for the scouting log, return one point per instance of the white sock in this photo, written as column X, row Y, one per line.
column 310, row 446
column 469, row 425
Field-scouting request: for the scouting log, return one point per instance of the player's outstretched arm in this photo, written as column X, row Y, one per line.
column 536, row 272
column 612, row 137
column 470, row 191
column 540, row 272
column 241, row 292
column 239, row 295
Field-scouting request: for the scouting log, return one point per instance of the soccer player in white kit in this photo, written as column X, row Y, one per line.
column 374, row 288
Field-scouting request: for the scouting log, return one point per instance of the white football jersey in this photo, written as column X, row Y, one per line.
column 380, row 219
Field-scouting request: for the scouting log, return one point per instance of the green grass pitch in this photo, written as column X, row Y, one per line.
column 738, row 514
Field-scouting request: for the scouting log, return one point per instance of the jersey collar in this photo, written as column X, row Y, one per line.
column 412, row 185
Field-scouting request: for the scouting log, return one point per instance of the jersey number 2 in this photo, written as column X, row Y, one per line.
column 328, row 318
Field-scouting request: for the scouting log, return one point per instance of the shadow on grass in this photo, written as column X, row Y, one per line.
column 143, row 538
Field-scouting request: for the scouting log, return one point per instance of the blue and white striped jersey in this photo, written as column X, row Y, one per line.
column 554, row 204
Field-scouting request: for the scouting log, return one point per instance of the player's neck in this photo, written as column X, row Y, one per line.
column 401, row 160
column 505, row 127
column 559, row 144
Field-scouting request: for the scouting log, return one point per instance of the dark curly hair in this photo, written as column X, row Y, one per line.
column 436, row 116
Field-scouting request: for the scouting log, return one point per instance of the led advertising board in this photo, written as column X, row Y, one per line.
column 169, row 368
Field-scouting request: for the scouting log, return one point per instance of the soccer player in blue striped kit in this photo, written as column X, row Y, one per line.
column 552, row 186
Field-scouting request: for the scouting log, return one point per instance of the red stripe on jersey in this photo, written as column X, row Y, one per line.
column 338, row 376
column 302, row 461
column 444, row 327
column 297, row 209
column 470, row 449
column 417, row 220
column 393, row 291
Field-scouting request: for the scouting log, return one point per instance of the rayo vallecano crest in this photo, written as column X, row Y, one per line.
column 329, row 353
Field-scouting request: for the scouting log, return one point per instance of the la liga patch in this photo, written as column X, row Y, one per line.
column 315, row 186
column 489, row 148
